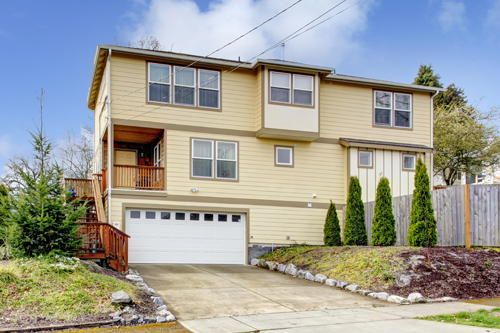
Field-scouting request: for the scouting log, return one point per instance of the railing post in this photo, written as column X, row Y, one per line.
column 467, row 216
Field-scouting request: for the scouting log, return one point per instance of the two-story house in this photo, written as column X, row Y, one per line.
column 201, row 163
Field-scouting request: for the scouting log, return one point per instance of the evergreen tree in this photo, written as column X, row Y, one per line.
column 384, row 224
column 355, row 230
column 332, row 227
column 44, row 221
column 4, row 213
column 426, row 77
column 422, row 230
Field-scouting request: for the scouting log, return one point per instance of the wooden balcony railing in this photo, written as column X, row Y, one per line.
column 80, row 187
column 139, row 177
column 104, row 241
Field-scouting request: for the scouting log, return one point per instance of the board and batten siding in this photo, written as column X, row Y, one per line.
column 386, row 163
column 238, row 95
column 347, row 112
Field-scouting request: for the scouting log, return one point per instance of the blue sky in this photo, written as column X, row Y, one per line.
column 51, row 44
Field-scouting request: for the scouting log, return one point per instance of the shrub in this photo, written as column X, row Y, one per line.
column 383, row 225
column 355, row 230
column 422, row 230
column 4, row 213
column 332, row 227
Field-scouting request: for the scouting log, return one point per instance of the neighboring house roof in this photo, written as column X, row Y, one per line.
column 347, row 142
column 102, row 52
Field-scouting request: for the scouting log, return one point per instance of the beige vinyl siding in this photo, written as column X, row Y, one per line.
column 100, row 116
column 347, row 111
column 267, row 224
column 238, row 96
column 258, row 99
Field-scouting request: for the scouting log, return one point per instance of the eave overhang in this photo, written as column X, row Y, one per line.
column 348, row 142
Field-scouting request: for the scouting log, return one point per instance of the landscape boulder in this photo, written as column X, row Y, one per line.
column 309, row 276
column 134, row 278
column 254, row 262
column 416, row 298
column 321, row 278
column 395, row 299
column 262, row 263
column 342, row 284
column 120, row 297
column 331, row 282
column 160, row 320
column 352, row 287
column 151, row 292
column 291, row 269
column 272, row 265
column 157, row 300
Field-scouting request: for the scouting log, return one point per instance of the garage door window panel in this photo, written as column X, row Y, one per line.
column 150, row 215
column 135, row 214
column 222, row 218
column 165, row 215
column 194, row 217
column 209, row 217
column 180, row 216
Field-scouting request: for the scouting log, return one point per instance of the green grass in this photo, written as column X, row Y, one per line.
column 60, row 288
column 480, row 318
column 369, row 267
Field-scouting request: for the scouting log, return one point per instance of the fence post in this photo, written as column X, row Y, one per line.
column 467, row 215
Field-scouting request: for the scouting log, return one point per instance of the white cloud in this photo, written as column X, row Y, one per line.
column 493, row 17
column 6, row 147
column 452, row 16
column 181, row 26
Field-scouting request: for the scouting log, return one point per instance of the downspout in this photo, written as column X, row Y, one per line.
column 110, row 138
column 432, row 138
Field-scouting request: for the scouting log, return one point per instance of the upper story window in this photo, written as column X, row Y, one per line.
column 292, row 88
column 393, row 109
column 184, row 86
column 208, row 155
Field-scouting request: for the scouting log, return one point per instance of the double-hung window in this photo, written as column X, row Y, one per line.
column 208, row 155
column 393, row 109
column 185, row 86
column 159, row 83
column 292, row 88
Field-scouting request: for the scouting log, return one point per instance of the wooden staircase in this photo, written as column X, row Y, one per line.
column 100, row 240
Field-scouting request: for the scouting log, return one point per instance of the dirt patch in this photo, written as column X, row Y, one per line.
column 454, row 272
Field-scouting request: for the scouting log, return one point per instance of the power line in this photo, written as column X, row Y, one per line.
column 194, row 62
column 289, row 37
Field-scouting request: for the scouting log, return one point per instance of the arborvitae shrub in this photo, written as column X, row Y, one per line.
column 355, row 230
column 384, row 224
column 332, row 227
column 422, row 231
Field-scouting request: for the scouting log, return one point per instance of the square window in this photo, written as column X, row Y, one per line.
column 365, row 159
column 209, row 217
column 194, row 216
column 150, row 215
column 284, row 156
column 236, row 218
column 409, row 162
column 222, row 218
column 180, row 216
column 165, row 215
column 135, row 214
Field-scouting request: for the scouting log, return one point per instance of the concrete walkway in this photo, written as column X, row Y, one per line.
column 207, row 291
column 359, row 320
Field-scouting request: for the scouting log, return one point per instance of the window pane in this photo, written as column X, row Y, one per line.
column 383, row 99
column 159, row 73
column 209, row 217
column 209, row 98
column 236, row 218
column 150, row 215
column 226, row 150
column 280, row 95
column 226, row 169
column 302, row 97
column 194, row 216
column 402, row 102
column 159, row 93
column 280, row 80
column 202, row 148
column 222, row 218
column 202, row 168
column 180, row 216
column 382, row 117
column 209, row 79
column 184, row 95
column 284, row 156
column 402, row 118
column 165, row 215
column 184, row 76
column 409, row 162
column 303, row 82
column 135, row 214
column 365, row 158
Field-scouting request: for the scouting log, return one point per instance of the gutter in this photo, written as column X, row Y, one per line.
column 432, row 137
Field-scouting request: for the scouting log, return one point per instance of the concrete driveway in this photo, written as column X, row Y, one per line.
column 207, row 291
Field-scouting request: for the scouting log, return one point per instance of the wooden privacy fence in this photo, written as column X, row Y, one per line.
column 466, row 215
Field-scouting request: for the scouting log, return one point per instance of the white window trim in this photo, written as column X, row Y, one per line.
column 186, row 86
column 206, row 88
column 157, row 155
column 223, row 159
column 202, row 158
column 311, row 91
column 289, row 87
column 290, row 149
column 414, row 162
column 410, row 111
column 376, row 107
column 359, row 159
column 162, row 83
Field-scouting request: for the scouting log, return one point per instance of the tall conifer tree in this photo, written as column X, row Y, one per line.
column 355, row 229
column 384, row 224
column 332, row 227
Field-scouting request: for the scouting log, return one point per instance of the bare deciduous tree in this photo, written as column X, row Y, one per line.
column 147, row 43
column 77, row 153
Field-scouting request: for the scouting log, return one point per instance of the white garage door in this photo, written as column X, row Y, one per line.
column 162, row 236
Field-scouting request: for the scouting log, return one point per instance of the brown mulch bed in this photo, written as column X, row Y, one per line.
column 454, row 272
